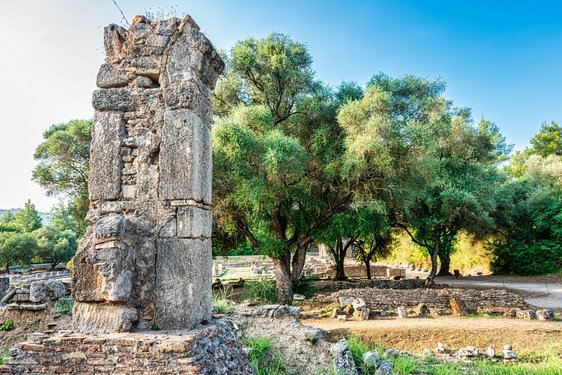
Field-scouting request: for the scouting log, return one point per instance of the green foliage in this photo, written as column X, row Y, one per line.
column 260, row 290
column 276, row 153
column 306, row 288
column 64, row 305
column 263, row 358
column 538, row 258
column 221, row 301
column 547, row 362
column 27, row 219
column 55, row 245
column 17, row 248
column 63, row 166
column 154, row 327
column 7, row 326
column 548, row 141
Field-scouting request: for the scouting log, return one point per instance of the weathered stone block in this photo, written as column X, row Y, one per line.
column 105, row 158
column 194, row 222
column 97, row 317
column 110, row 76
column 185, row 157
column 46, row 290
column 183, row 282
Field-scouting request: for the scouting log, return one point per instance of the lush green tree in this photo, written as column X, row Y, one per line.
column 54, row 245
column 424, row 159
column 277, row 151
column 548, row 141
column 529, row 219
column 16, row 248
column 27, row 219
column 63, row 167
column 362, row 228
column 6, row 222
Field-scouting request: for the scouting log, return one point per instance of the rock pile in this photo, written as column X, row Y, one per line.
column 38, row 295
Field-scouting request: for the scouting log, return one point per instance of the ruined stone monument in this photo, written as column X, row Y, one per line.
column 145, row 259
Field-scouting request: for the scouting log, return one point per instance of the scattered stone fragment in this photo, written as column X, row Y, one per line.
column 298, row 297
column 385, row 368
column 343, row 360
column 365, row 312
column 440, row 348
column 402, row 313
column 348, row 309
column 371, row 359
column 345, row 300
column 341, row 317
column 525, row 314
column 509, row 354
column 468, row 352
column 544, row 314
column 507, row 347
column 421, row 310
column 491, row 352
column 457, row 306
column 392, row 353
column 358, row 303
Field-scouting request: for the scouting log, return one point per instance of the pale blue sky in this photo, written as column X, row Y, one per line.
column 502, row 59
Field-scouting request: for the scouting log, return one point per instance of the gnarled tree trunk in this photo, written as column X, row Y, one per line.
column 445, row 260
column 430, row 281
column 288, row 270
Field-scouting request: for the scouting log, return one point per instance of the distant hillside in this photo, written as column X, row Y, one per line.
column 45, row 217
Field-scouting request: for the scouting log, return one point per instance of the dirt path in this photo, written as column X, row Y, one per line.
column 415, row 334
column 544, row 293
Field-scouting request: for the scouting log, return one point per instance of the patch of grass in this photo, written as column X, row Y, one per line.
column 5, row 354
column 221, row 300
column 548, row 362
column 7, row 326
column 64, row 305
column 263, row 358
column 260, row 290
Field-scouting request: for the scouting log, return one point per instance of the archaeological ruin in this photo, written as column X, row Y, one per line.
column 145, row 260
column 146, row 256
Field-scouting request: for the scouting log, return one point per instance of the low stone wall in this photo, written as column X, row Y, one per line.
column 379, row 284
column 389, row 299
column 207, row 349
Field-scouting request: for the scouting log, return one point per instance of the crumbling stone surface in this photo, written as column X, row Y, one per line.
column 208, row 349
column 46, row 290
column 343, row 360
column 145, row 258
column 303, row 348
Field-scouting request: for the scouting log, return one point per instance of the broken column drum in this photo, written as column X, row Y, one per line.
column 145, row 259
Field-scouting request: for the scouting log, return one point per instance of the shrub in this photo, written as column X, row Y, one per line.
column 521, row 258
column 260, row 290
column 64, row 305
column 221, row 301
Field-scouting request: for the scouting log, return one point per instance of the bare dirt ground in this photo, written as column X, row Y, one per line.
column 415, row 334
column 543, row 291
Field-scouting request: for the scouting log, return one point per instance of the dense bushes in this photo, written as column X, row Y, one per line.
column 520, row 258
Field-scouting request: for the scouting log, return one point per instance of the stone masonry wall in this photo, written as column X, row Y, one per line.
column 145, row 258
column 212, row 349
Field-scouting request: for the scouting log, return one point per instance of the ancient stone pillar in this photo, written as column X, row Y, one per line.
column 145, row 258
